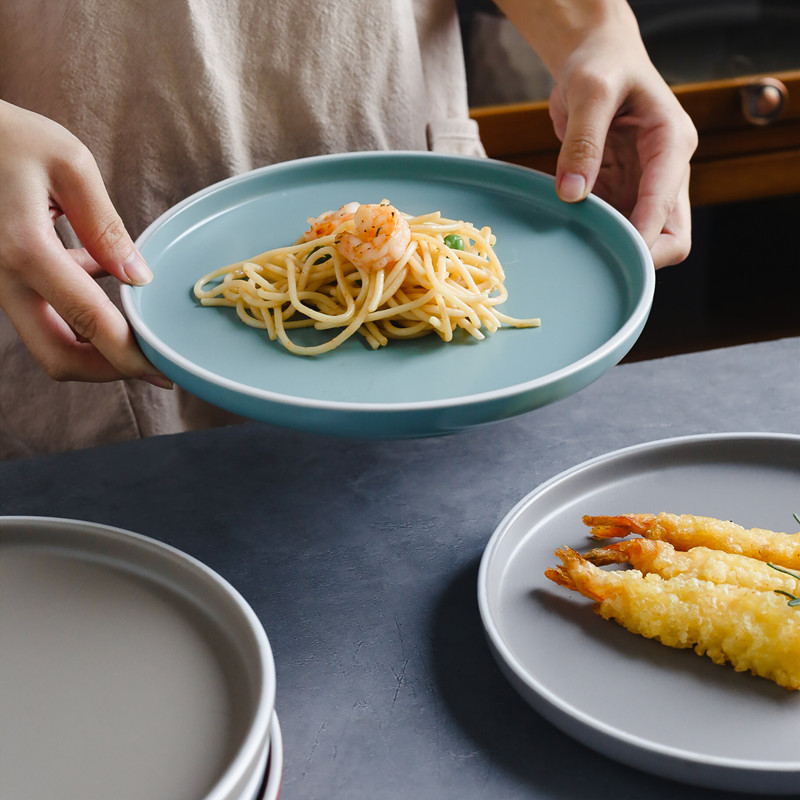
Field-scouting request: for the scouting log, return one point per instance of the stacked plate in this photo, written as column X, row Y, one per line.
column 128, row 670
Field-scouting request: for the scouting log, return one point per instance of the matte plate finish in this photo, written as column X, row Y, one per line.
column 666, row 711
column 127, row 669
column 274, row 777
column 582, row 268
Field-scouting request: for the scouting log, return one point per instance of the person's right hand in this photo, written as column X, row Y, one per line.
column 624, row 134
column 48, row 291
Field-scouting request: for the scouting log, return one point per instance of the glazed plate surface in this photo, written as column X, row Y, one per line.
column 582, row 268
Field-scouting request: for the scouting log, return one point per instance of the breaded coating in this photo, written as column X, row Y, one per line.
column 716, row 566
column 684, row 531
column 752, row 630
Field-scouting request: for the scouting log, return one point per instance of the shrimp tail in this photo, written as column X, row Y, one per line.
column 620, row 526
column 571, row 574
column 617, row 553
column 557, row 575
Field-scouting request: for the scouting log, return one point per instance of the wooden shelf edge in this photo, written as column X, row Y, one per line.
column 734, row 161
column 751, row 177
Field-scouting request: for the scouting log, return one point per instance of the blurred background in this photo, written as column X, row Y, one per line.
column 742, row 280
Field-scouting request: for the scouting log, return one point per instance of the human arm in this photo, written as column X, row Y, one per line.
column 624, row 135
column 48, row 291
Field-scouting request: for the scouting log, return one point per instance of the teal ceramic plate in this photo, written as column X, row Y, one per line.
column 582, row 268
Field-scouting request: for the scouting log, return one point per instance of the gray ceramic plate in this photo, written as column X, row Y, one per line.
column 582, row 268
column 669, row 712
column 127, row 669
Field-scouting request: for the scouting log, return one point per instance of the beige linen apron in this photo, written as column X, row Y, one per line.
column 172, row 96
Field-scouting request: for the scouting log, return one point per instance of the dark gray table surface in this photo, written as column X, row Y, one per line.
column 361, row 558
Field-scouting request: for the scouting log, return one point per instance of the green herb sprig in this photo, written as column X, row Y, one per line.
column 794, row 601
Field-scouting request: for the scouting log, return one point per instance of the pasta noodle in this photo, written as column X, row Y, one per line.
column 370, row 270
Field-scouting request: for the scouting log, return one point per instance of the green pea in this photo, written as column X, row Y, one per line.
column 454, row 241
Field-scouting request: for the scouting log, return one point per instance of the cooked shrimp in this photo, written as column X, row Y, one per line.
column 717, row 566
column 686, row 530
column 750, row 629
column 325, row 224
column 379, row 239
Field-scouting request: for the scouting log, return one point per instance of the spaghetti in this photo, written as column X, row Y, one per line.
column 372, row 270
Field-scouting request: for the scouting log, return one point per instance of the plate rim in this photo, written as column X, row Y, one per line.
column 274, row 778
column 636, row 318
column 252, row 747
column 510, row 664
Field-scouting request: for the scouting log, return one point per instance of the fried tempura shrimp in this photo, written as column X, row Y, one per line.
column 729, row 624
column 661, row 558
column 686, row 530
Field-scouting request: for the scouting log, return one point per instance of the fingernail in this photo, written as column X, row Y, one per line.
column 137, row 271
column 572, row 188
column 158, row 380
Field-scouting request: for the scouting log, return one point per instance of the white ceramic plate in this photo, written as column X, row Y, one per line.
column 272, row 787
column 582, row 268
column 127, row 669
column 665, row 711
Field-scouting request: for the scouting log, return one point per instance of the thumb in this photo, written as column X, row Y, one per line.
column 82, row 197
column 588, row 120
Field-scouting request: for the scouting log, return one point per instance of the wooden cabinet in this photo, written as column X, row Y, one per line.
column 738, row 157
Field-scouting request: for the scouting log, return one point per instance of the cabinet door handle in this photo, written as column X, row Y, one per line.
column 764, row 100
